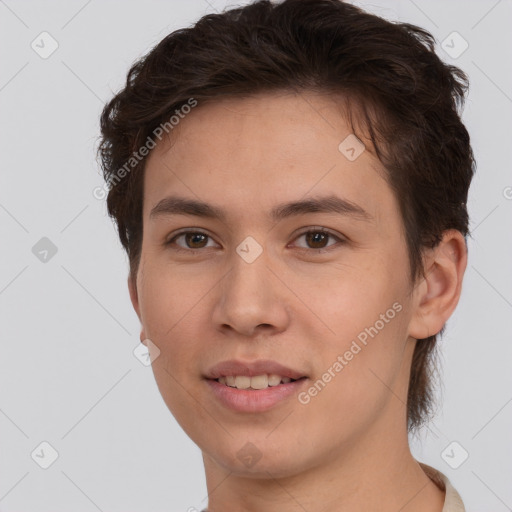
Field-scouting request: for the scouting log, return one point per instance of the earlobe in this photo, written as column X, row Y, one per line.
column 438, row 293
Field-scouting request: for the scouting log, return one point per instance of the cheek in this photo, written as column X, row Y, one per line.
column 352, row 300
column 171, row 308
column 367, row 317
column 172, row 312
column 170, row 299
column 357, row 381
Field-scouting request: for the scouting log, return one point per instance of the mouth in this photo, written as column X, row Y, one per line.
column 253, row 387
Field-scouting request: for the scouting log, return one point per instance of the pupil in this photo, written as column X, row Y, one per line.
column 192, row 238
column 315, row 236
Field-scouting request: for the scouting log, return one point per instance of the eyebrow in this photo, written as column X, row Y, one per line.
column 174, row 205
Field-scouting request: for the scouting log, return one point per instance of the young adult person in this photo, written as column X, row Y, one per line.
column 289, row 181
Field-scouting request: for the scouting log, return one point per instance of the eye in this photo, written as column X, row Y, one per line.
column 316, row 239
column 194, row 240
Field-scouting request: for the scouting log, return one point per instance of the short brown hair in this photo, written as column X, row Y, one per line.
column 407, row 103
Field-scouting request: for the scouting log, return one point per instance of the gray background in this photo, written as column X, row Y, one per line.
column 68, row 375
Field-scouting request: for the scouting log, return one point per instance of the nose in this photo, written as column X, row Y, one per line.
column 251, row 299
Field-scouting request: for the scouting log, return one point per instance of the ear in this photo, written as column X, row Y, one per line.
column 134, row 297
column 438, row 292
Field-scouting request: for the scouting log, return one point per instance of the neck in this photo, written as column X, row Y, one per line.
column 377, row 472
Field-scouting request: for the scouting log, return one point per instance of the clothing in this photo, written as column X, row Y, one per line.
column 452, row 500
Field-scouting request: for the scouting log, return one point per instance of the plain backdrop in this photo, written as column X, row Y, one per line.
column 68, row 373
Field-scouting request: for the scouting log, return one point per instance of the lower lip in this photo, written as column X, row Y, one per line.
column 257, row 400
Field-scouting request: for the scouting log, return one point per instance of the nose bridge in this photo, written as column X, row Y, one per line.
column 247, row 288
column 248, row 262
column 249, row 295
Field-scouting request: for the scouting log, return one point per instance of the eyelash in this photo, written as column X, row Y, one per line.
column 321, row 250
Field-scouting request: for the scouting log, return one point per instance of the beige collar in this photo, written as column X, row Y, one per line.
column 452, row 500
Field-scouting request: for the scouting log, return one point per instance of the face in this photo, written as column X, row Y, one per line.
column 322, row 291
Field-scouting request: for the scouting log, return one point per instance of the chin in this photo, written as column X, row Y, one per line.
column 259, row 459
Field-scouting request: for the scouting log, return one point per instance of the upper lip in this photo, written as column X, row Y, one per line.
column 251, row 369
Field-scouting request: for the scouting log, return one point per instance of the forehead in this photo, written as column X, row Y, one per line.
column 248, row 153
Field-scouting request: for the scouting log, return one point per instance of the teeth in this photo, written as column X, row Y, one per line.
column 274, row 380
column 242, row 382
column 256, row 382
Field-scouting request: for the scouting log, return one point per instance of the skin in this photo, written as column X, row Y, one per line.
column 347, row 449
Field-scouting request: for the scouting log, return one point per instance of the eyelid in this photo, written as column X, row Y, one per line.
column 308, row 229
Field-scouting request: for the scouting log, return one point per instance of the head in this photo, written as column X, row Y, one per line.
column 258, row 107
